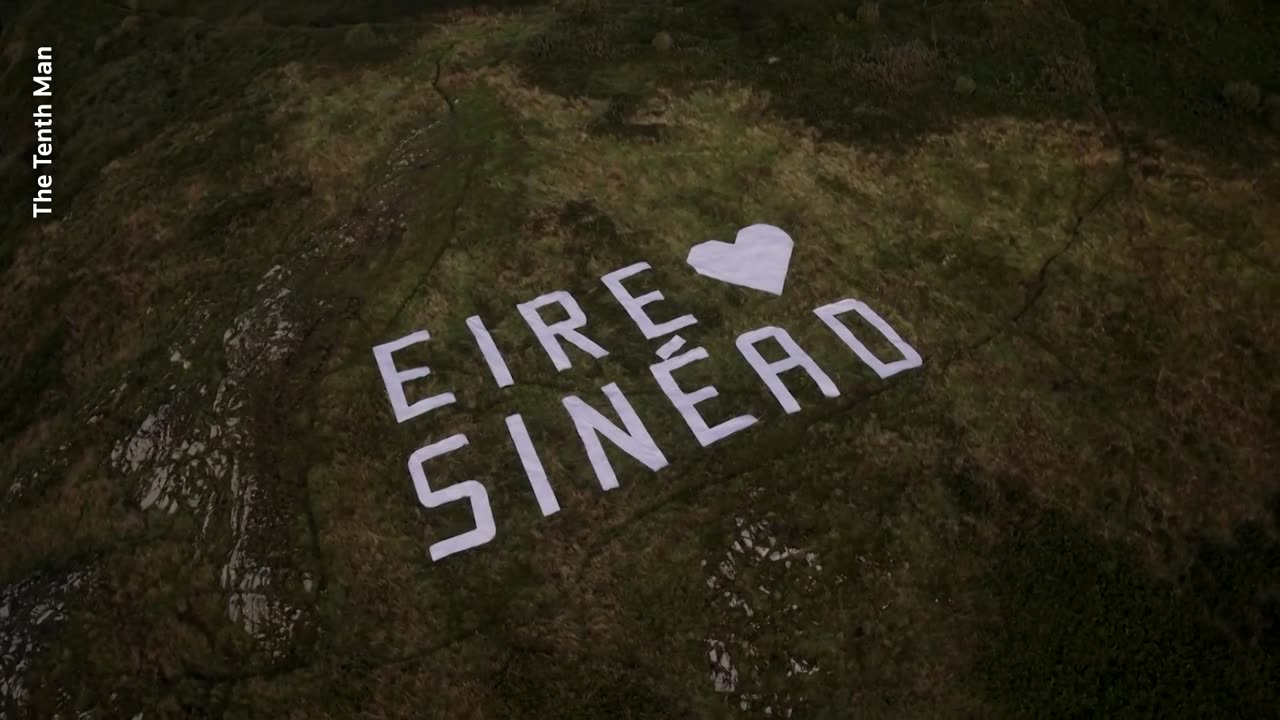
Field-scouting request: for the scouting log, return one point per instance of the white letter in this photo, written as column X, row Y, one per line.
column 43, row 87
column 635, row 442
column 685, row 402
column 567, row 329
column 395, row 379
column 635, row 305
column 795, row 358
column 497, row 365
column 532, row 466
column 472, row 490
column 910, row 358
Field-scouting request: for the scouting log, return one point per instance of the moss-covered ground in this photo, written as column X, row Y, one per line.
column 1070, row 208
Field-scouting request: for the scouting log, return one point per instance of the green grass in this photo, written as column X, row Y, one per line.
column 1068, row 510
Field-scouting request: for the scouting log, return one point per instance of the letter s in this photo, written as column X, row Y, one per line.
column 470, row 489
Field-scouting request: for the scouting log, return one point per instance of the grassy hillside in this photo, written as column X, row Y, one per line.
column 1069, row 208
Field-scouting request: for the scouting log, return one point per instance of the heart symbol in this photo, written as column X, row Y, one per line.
column 758, row 258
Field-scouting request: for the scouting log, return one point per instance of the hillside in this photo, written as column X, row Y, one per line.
column 1067, row 210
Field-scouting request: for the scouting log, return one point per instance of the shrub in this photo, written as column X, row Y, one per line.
column 582, row 10
column 361, row 37
column 1071, row 74
column 869, row 13
column 1242, row 95
column 965, row 85
column 662, row 42
column 895, row 67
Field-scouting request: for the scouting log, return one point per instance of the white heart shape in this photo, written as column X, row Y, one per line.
column 758, row 258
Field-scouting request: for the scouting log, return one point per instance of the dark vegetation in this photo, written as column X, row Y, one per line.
column 1086, row 630
column 1072, row 480
column 863, row 74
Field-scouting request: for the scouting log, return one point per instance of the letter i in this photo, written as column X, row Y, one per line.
column 497, row 366
column 532, row 466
